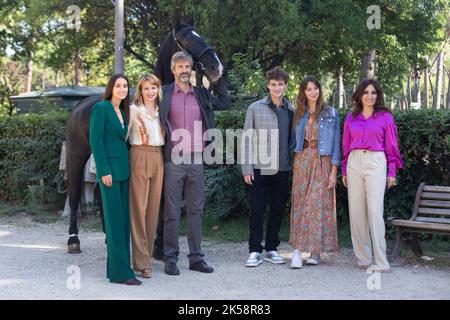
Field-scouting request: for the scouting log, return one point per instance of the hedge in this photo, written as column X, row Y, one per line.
column 30, row 147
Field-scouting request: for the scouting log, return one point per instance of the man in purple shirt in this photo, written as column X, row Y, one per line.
column 186, row 113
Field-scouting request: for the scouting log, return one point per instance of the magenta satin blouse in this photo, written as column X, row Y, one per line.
column 377, row 133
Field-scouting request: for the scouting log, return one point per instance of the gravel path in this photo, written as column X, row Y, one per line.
column 34, row 265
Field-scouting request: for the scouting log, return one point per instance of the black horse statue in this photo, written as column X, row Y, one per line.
column 206, row 63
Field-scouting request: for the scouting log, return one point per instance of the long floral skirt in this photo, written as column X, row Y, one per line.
column 313, row 208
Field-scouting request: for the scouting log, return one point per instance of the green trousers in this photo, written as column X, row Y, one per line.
column 117, row 226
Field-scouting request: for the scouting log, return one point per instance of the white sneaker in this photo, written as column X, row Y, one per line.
column 274, row 257
column 313, row 260
column 296, row 262
column 254, row 260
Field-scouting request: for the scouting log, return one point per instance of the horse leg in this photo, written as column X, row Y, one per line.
column 75, row 175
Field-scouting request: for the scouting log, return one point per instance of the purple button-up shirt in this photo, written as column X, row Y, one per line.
column 377, row 133
column 185, row 114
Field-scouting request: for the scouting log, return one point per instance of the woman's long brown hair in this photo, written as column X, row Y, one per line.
column 125, row 103
column 359, row 92
column 301, row 100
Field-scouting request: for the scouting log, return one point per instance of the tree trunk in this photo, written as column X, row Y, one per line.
column 367, row 70
column 78, row 69
column 408, row 90
column 447, row 104
column 43, row 80
column 405, row 100
column 426, row 90
column 345, row 100
column 119, row 36
column 418, row 97
column 57, row 78
column 402, row 103
column 28, row 74
column 437, row 96
column 11, row 107
column 417, row 88
column 444, row 98
column 340, row 89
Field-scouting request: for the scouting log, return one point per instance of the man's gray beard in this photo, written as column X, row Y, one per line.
column 183, row 79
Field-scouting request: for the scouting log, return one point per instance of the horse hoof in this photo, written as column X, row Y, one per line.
column 73, row 248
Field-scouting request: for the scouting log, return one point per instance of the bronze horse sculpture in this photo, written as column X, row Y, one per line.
column 206, row 63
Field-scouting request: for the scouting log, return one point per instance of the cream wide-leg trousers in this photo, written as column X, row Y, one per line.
column 366, row 178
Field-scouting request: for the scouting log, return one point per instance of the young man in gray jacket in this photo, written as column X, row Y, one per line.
column 267, row 140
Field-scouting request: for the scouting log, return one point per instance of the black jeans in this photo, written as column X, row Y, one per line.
column 277, row 188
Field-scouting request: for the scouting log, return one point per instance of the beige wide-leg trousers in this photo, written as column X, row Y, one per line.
column 146, row 179
column 366, row 177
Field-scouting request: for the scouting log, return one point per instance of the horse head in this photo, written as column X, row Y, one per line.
column 206, row 61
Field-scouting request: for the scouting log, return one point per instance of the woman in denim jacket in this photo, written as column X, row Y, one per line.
column 313, row 208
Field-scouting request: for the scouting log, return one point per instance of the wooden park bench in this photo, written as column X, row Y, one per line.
column 431, row 214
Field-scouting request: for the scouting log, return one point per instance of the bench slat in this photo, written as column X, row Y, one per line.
column 443, row 212
column 436, row 189
column 436, row 204
column 422, row 225
column 435, row 196
column 433, row 220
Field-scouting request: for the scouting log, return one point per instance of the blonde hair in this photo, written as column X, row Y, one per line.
column 153, row 80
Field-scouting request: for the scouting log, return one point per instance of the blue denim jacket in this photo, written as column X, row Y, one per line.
column 328, row 131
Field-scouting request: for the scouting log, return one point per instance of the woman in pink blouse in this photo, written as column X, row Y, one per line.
column 370, row 159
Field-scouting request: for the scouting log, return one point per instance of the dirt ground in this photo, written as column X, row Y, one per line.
column 34, row 265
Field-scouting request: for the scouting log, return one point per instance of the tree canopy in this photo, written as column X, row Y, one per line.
column 326, row 38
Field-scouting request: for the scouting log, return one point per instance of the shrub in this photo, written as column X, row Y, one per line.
column 30, row 147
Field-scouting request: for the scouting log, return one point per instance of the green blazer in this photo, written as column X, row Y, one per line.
column 107, row 140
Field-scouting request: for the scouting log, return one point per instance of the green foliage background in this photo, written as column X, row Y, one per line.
column 30, row 147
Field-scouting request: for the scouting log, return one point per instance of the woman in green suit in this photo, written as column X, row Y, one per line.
column 108, row 130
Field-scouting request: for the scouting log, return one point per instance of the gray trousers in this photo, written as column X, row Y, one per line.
column 187, row 179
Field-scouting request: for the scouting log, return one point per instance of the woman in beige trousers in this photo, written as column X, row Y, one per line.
column 370, row 159
column 146, row 170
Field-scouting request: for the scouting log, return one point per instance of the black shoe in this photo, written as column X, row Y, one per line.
column 171, row 268
column 158, row 253
column 201, row 266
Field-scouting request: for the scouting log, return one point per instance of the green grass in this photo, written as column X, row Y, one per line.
column 435, row 247
column 44, row 215
column 237, row 230
column 37, row 214
column 91, row 222
column 233, row 230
